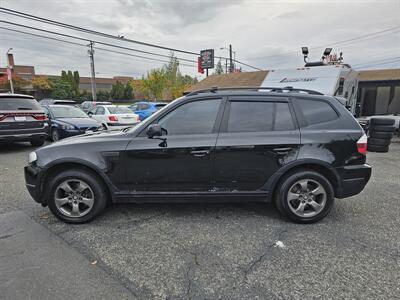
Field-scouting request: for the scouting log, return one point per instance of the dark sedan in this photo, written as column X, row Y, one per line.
column 66, row 121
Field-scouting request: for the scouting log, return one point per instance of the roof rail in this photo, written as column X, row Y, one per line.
column 288, row 89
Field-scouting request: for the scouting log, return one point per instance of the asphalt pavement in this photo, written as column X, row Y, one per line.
column 235, row 251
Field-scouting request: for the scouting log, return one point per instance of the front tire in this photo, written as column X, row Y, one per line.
column 76, row 196
column 37, row 142
column 55, row 136
column 304, row 196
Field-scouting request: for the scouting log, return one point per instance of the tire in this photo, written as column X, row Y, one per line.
column 381, row 135
column 376, row 148
column 92, row 189
column 378, row 142
column 382, row 128
column 37, row 142
column 381, row 121
column 287, row 207
column 55, row 136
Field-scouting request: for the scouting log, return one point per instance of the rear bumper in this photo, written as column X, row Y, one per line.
column 353, row 180
column 119, row 126
column 32, row 182
column 23, row 134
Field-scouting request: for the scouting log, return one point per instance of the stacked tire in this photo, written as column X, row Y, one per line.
column 380, row 134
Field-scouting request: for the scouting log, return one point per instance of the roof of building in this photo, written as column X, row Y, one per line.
column 232, row 79
column 378, row 75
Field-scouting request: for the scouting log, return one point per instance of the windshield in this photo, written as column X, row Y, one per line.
column 119, row 110
column 67, row 112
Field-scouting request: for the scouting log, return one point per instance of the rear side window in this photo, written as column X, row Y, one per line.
column 316, row 111
column 250, row 116
column 11, row 103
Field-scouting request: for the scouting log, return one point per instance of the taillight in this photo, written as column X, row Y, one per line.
column 40, row 117
column 362, row 144
column 113, row 118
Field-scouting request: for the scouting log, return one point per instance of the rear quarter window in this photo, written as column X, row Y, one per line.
column 316, row 112
column 14, row 103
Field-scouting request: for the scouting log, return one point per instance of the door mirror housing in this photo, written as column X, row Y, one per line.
column 90, row 113
column 155, row 130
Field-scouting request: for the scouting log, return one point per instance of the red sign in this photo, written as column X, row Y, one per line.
column 9, row 74
column 199, row 66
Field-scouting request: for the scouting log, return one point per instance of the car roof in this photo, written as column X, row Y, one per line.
column 8, row 95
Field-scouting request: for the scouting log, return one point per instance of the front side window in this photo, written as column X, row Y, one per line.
column 249, row 116
column 315, row 111
column 192, row 118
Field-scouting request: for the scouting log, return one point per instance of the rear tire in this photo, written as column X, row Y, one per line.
column 37, row 142
column 382, row 121
column 55, row 136
column 383, row 128
column 376, row 148
column 304, row 196
column 380, row 135
column 78, row 189
column 378, row 142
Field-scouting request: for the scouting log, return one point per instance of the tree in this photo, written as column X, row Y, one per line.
column 218, row 68
column 154, row 85
column 128, row 91
column 18, row 83
column 118, row 91
column 60, row 89
column 41, row 83
column 76, row 80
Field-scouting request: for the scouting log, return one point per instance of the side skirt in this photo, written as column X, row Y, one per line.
column 190, row 197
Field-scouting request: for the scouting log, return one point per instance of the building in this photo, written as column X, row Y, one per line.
column 378, row 90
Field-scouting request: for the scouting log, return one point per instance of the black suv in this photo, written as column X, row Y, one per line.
column 22, row 119
column 297, row 148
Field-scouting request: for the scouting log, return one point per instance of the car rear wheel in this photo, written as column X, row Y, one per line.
column 304, row 196
column 37, row 142
column 76, row 196
column 55, row 136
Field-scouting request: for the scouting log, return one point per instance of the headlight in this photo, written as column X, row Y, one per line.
column 32, row 157
column 68, row 127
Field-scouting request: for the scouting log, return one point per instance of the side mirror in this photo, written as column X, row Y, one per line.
column 90, row 114
column 155, row 130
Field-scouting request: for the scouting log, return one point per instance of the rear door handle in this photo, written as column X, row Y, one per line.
column 282, row 150
column 199, row 153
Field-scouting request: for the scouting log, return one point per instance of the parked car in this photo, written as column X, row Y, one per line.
column 146, row 109
column 89, row 105
column 298, row 150
column 66, row 121
column 114, row 117
column 57, row 101
column 22, row 119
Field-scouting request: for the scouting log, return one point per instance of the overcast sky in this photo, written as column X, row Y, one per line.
column 266, row 34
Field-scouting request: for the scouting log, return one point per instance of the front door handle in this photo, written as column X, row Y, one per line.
column 282, row 150
column 200, row 153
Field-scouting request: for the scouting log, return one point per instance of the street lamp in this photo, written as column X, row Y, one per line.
column 9, row 70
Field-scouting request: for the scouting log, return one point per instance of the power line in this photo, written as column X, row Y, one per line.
column 91, row 40
column 366, row 36
column 97, row 48
column 78, row 28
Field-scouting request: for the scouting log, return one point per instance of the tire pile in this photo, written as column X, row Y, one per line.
column 380, row 134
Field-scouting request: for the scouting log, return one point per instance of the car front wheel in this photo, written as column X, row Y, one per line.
column 305, row 196
column 76, row 196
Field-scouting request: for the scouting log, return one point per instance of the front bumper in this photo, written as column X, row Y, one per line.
column 32, row 182
column 353, row 180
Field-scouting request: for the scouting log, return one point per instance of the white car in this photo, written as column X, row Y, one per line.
column 114, row 117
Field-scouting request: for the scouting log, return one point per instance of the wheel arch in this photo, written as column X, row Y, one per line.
column 58, row 166
column 310, row 164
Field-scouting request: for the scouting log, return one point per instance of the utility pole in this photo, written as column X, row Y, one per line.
column 226, row 65
column 230, row 59
column 93, row 79
column 10, row 66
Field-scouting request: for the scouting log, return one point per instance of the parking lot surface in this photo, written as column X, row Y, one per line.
column 236, row 251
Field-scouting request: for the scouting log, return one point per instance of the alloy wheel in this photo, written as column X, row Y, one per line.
column 306, row 198
column 74, row 198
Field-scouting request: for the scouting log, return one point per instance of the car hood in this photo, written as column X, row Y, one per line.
column 79, row 122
